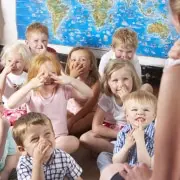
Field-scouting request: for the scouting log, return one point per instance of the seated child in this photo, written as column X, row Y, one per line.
column 15, row 58
column 124, row 45
column 81, row 64
column 35, row 138
column 135, row 142
column 37, row 38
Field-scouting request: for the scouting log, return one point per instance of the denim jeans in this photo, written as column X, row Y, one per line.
column 104, row 159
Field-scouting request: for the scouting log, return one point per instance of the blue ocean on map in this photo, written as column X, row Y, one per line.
column 92, row 23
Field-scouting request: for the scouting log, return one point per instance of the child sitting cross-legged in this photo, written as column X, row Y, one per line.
column 135, row 142
column 35, row 138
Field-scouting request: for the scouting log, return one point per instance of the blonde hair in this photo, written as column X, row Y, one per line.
column 141, row 97
column 126, row 37
column 36, row 28
column 115, row 65
column 24, row 122
column 39, row 60
column 175, row 6
column 93, row 74
column 18, row 48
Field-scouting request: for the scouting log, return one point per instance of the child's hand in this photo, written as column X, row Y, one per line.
column 129, row 141
column 76, row 69
column 63, row 79
column 123, row 92
column 138, row 133
column 39, row 153
column 8, row 68
column 38, row 80
column 174, row 52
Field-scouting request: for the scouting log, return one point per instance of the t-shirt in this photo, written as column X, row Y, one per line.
column 9, row 149
column 13, row 82
column 114, row 113
column 111, row 55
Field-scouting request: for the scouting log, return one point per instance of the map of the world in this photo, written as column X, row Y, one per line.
column 92, row 23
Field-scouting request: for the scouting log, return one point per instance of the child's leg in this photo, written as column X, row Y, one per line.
column 111, row 170
column 68, row 144
column 96, row 143
column 83, row 125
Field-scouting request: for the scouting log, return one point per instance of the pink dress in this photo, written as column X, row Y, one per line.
column 54, row 107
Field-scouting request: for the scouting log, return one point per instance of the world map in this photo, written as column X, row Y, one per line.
column 92, row 23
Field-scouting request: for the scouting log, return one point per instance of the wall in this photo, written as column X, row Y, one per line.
column 8, row 34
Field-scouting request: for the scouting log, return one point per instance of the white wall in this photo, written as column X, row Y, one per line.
column 8, row 34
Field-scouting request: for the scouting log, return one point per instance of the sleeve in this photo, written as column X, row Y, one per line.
column 74, row 170
column 105, row 103
column 23, row 171
column 104, row 60
column 150, row 140
column 119, row 142
column 11, row 144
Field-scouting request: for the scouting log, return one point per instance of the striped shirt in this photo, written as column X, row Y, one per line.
column 149, row 141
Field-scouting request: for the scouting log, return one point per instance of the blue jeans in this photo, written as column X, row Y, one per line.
column 104, row 159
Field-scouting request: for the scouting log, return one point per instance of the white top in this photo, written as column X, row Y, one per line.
column 111, row 55
column 114, row 112
column 13, row 82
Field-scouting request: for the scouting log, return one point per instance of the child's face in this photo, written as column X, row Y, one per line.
column 37, row 42
column 123, row 52
column 47, row 68
column 81, row 57
column 140, row 114
column 17, row 61
column 120, row 79
column 39, row 136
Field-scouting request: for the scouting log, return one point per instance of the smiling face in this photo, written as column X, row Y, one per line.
column 81, row 57
column 18, row 62
column 36, row 42
column 119, row 79
column 139, row 113
column 123, row 52
column 37, row 135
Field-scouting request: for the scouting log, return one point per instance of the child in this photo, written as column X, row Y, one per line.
column 135, row 142
column 35, row 138
column 48, row 91
column 120, row 78
column 7, row 149
column 81, row 64
column 37, row 38
column 124, row 45
column 15, row 58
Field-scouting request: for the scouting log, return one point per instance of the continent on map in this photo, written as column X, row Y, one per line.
column 159, row 29
column 58, row 11
column 99, row 9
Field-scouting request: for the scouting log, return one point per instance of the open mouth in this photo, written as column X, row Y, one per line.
column 49, row 82
column 140, row 119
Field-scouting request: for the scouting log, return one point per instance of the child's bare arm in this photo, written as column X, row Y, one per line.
column 79, row 178
column 89, row 105
column 99, row 128
column 122, row 155
column 142, row 153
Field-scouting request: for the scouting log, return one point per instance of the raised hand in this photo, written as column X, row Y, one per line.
column 174, row 52
column 123, row 92
column 8, row 68
column 76, row 69
column 138, row 133
column 38, row 80
column 129, row 141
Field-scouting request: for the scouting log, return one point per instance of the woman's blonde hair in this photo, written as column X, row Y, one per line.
column 141, row 97
column 39, row 60
column 115, row 65
column 93, row 74
column 18, row 48
column 175, row 6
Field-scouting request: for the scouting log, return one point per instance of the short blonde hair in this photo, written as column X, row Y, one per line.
column 18, row 48
column 141, row 97
column 39, row 60
column 93, row 74
column 115, row 65
column 126, row 37
column 24, row 122
column 36, row 28
column 175, row 6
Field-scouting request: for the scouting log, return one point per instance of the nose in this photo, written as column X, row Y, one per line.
column 140, row 112
column 124, row 55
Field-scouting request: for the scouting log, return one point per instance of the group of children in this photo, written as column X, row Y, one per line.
column 52, row 110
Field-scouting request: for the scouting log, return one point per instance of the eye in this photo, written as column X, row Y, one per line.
column 35, row 139
column 125, row 78
column 44, row 41
column 73, row 60
column 36, row 41
column 134, row 109
column 146, row 109
column 47, row 134
column 114, row 80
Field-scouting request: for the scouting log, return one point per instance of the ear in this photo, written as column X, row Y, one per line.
column 21, row 149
